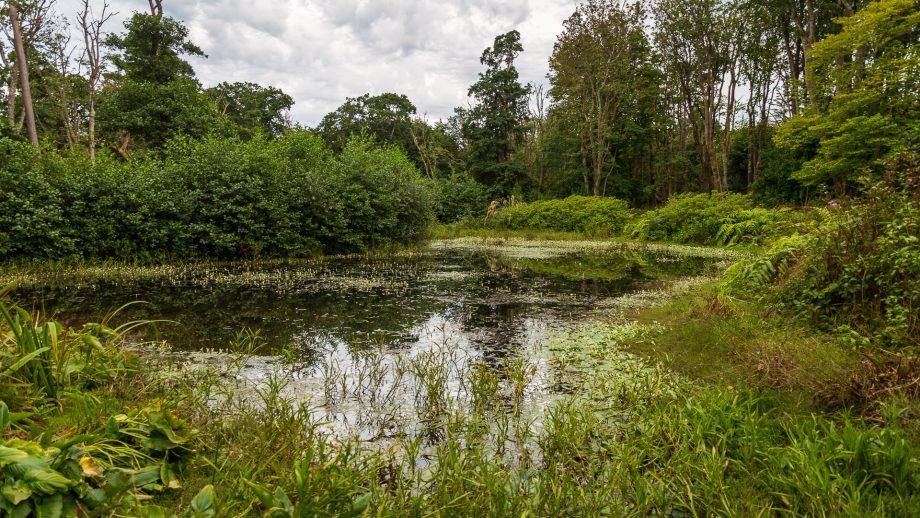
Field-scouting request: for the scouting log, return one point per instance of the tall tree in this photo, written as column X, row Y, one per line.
column 601, row 69
column 496, row 122
column 760, row 60
column 95, row 64
column 23, row 67
column 701, row 43
column 35, row 32
column 866, row 96
column 386, row 117
column 153, row 94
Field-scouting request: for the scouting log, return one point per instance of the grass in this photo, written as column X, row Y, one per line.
column 730, row 342
column 627, row 437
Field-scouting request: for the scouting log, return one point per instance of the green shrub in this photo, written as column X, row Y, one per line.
column 690, row 218
column 31, row 217
column 215, row 198
column 459, row 197
column 383, row 197
column 860, row 272
column 589, row 215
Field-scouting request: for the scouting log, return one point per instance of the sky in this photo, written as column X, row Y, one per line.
column 322, row 51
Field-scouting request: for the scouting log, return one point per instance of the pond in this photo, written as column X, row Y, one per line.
column 349, row 329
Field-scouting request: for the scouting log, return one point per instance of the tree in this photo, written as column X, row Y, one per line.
column 866, row 97
column 253, row 108
column 23, row 75
column 496, row 122
column 701, row 44
column 387, row 118
column 601, row 70
column 152, row 49
column 153, row 94
column 95, row 63
column 29, row 29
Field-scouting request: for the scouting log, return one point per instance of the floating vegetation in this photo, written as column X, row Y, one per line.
column 544, row 249
column 488, row 293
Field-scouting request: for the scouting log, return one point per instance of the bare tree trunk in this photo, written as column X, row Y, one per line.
column 23, row 76
column 92, row 38
column 11, row 96
column 809, row 41
column 793, row 60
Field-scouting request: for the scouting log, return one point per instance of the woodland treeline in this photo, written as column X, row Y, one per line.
column 785, row 99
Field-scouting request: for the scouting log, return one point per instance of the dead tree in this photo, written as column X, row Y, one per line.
column 23, row 75
column 95, row 61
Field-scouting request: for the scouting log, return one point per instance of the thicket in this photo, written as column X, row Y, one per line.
column 858, row 272
column 583, row 214
column 459, row 197
column 213, row 198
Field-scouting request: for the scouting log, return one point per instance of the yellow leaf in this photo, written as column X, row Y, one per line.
column 90, row 468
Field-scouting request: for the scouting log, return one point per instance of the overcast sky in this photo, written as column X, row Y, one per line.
column 322, row 51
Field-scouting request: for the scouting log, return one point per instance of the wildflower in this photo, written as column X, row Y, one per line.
column 833, row 204
column 729, row 388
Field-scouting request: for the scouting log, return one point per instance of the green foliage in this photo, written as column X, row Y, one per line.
column 589, row 215
column 218, row 198
column 92, row 473
column 154, row 95
column 253, row 108
column 496, row 120
column 151, row 49
column 867, row 100
column 386, row 118
column 695, row 218
column 613, row 110
column 383, row 198
column 137, row 115
column 110, row 467
column 50, row 359
column 30, row 216
column 459, row 197
column 860, row 272
column 752, row 226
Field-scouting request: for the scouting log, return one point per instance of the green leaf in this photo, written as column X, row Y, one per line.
column 5, row 419
column 11, row 455
column 264, row 495
column 50, row 507
column 112, row 431
column 154, row 511
column 25, row 359
column 361, row 503
column 204, row 503
column 43, row 479
column 15, row 492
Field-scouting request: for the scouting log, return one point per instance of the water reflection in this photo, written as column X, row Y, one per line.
column 496, row 303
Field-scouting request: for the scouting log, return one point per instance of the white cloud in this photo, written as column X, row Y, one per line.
column 321, row 51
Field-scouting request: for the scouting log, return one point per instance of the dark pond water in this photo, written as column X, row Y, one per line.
column 496, row 298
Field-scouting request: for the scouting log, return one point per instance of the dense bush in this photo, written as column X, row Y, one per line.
column 218, row 198
column 589, row 215
column 689, row 218
column 459, row 197
column 860, row 273
column 857, row 273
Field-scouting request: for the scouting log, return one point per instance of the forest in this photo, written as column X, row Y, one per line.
column 680, row 277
